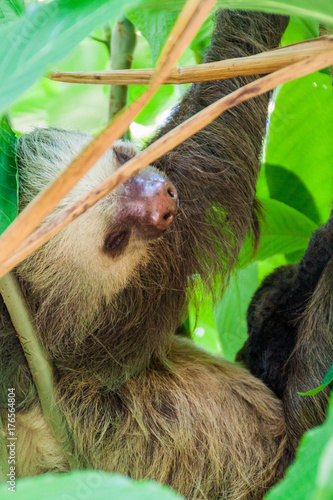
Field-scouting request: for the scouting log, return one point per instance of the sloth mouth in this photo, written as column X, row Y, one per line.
column 115, row 243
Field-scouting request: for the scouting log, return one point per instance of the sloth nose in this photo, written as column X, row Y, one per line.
column 149, row 202
column 163, row 206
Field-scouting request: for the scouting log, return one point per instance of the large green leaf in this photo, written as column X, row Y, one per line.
column 289, row 188
column 321, row 9
column 164, row 98
column 43, row 35
column 230, row 312
column 283, row 230
column 300, row 135
column 155, row 25
column 8, row 175
column 201, row 40
column 55, row 104
column 311, row 476
column 90, row 485
column 299, row 29
column 201, row 320
column 10, row 10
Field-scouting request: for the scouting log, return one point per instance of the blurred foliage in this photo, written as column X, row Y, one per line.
column 295, row 185
column 311, row 475
column 87, row 485
column 8, row 175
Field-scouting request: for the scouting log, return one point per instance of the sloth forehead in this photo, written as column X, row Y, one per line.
column 44, row 153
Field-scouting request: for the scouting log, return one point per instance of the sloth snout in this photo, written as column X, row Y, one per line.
column 149, row 202
column 163, row 206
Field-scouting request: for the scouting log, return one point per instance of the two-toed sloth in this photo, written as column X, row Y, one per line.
column 109, row 291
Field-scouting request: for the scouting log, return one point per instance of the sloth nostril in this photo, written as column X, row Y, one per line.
column 171, row 193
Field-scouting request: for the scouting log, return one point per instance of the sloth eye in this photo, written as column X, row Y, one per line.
column 121, row 156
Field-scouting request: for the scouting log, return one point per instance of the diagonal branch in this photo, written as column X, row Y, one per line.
column 187, row 24
column 160, row 147
column 40, row 365
column 266, row 62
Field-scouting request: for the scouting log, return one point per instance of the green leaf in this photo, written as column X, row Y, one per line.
column 10, row 10
column 202, row 38
column 201, row 319
column 8, row 175
column 300, row 135
column 230, row 312
column 289, row 188
column 283, row 230
column 88, row 484
column 44, row 35
column 311, row 475
column 155, row 25
column 54, row 104
column 321, row 9
column 300, row 28
column 165, row 97
column 327, row 380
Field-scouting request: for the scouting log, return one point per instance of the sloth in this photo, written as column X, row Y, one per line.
column 108, row 293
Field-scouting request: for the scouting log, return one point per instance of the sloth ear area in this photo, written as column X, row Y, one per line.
column 121, row 157
column 123, row 152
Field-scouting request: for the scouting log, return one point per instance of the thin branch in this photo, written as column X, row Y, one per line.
column 40, row 365
column 123, row 43
column 162, row 146
column 266, row 62
column 104, row 42
column 187, row 24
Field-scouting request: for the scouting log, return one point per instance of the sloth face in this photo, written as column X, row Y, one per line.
column 109, row 242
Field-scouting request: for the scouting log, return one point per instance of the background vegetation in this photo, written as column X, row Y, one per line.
column 295, row 186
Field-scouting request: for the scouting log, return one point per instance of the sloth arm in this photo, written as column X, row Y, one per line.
column 290, row 325
column 218, row 166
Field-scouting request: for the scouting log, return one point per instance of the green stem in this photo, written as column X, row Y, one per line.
column 122, row 47
column 104, row 42
column 40, row 365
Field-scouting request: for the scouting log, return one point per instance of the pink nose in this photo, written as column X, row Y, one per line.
column 149, row 201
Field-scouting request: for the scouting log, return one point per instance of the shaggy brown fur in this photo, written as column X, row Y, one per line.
column 137, row 399
column 290, row 346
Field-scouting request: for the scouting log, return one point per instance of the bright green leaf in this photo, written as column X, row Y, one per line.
column 201, row 320
column 283, row 230
column 230, row 312
column 8, row 175
column 201, row 40
column 310, row 477
column 300, row 29
column 155, row 25
column 88, row 484
column 55, row 104
column 289, row 188
column 300, row 135
column 327, row 380
column 44, row 35
column 321, row 9
column 325, row 473
column 10, row 10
